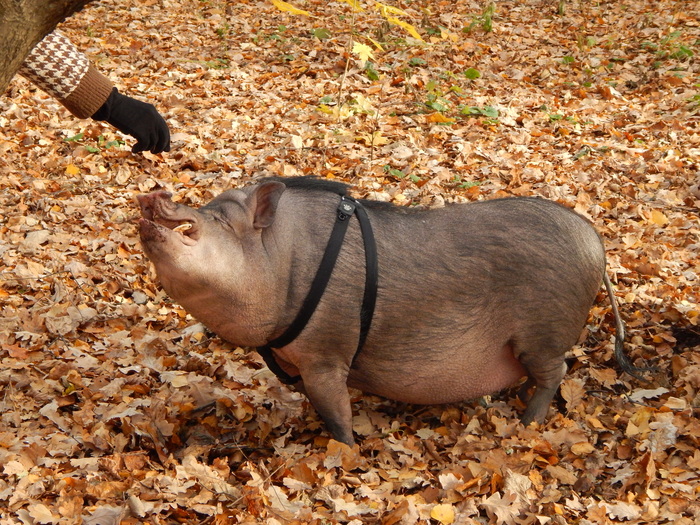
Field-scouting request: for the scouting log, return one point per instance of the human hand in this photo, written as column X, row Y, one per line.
column 138, row 119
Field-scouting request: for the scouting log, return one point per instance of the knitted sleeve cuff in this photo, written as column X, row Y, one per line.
column 92, row 91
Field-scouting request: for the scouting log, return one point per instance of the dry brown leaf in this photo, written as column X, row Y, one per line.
column 111, row 390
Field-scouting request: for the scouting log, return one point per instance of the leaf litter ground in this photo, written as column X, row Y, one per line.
column 117, row 406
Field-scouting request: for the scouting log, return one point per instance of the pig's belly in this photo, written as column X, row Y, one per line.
column 439, row 379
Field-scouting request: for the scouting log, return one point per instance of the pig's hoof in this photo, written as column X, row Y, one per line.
column 532, row 416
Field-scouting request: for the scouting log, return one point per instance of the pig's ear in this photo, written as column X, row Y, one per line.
column 263, row 202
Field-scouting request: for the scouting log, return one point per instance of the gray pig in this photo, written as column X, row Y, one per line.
column 471, row 297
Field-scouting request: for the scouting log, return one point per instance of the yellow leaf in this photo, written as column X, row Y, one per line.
column 376, row 44
column 363, row 104
column 658, row 218
column 405, row 25
column 444, row 513
column 340, row 112
column 582, row 448
column 363, row 51
column 373, row 139
column 355, row 4
column 449, row 35
column 440, row 118
column 284, row 6
column 72, row 169
column 386, row 9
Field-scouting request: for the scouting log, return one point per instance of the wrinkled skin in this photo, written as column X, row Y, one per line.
column 472, row 297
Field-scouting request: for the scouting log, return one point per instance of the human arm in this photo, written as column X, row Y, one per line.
column 59, row 68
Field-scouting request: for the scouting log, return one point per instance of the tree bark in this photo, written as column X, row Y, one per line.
column 23, row 23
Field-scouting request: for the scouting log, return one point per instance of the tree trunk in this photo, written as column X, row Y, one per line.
column 23, row 23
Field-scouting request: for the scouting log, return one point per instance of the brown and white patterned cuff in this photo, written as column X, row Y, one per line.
column 89, row 95
column 56, row 66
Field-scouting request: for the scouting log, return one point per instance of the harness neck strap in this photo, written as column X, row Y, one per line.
column 347, row 207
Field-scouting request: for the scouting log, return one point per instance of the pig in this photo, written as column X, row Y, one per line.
column 471, row 298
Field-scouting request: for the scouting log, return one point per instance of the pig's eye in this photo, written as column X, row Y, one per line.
column 223, row 219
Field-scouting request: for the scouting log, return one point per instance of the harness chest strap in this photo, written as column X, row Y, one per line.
column 347, row 207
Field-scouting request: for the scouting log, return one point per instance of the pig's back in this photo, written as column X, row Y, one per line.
column 460, row 288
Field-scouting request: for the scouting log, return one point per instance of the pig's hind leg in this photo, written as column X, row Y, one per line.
column 545, row 368
column 328, row 392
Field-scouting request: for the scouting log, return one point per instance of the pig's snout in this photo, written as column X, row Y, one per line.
column 158, row 208
column 153, row 203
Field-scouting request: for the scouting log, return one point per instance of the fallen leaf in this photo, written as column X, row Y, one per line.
column 363, row 51
column 658, row 218
column 501, row 509
column 40, row 513
column 444, row 513
column 573, row 392
column 439, row 118
column 289, row 8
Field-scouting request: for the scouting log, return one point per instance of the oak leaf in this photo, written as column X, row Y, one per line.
column 502, row 509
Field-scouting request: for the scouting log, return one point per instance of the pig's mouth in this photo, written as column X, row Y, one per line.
column 162, row 218
column 161, row 230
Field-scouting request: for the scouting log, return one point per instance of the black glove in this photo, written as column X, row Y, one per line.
column 138, row 119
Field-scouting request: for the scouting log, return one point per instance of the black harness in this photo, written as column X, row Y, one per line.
column 347, row 207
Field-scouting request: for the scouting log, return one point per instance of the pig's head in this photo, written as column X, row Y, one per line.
column 212, row 260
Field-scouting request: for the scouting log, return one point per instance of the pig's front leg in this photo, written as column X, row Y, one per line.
column 328, row 392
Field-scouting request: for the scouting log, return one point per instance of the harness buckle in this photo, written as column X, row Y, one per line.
column 346, row 208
